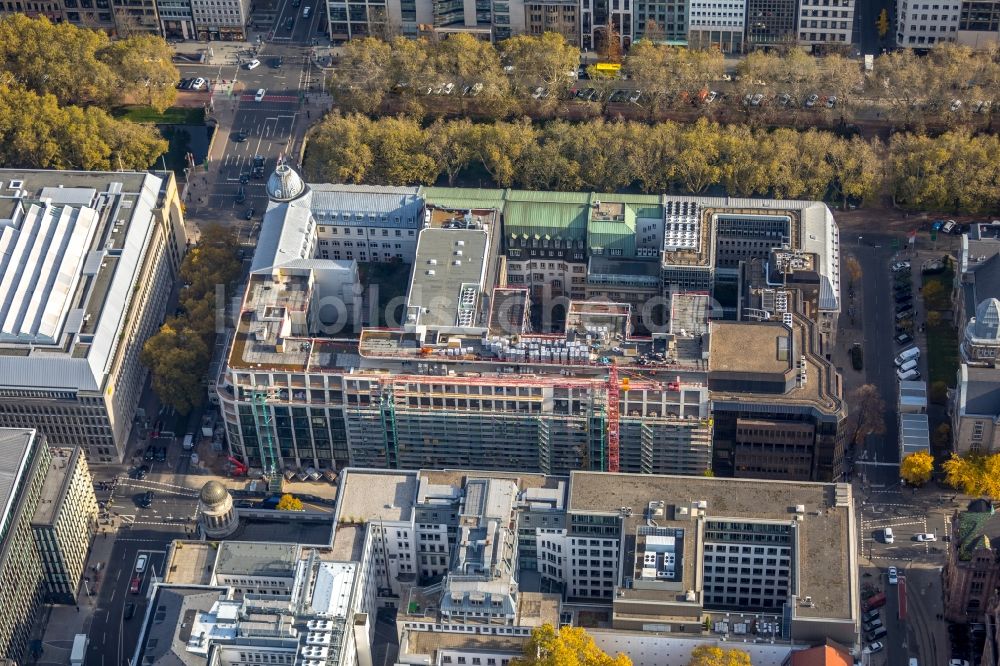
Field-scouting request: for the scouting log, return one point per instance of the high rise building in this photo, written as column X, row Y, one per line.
column 87, row 263
column 217, row 19
column 539, row 331
column 22, row 577
column 64, row 523
column 979, row 24
column 662, row 21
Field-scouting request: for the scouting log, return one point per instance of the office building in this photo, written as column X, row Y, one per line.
column 717, row 24
column 991, row 646
column 825, row 23
column 561, row 16
column 540, row 331
column 979, row 24
column 135, row 16
column 972, row 568
column 324, row 616
column 87, row 263
column 224, row 20
column 176, row 19
column 94, row 14
column 921, row 24
column 771, row 23
column 663, row 21
column 64, row 523
column 25, row 462
column 506, row 552
column 601, row 20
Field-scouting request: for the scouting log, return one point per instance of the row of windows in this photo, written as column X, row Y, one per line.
column 360, row 231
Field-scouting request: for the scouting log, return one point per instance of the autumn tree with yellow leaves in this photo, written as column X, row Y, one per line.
column 289, row 502
column 917, row 468
column 566, row 646
column 711, row 655
column 974, row 474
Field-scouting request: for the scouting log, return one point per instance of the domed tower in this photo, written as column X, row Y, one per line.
column 217, row 515
column 982, row 335
column 285, row 184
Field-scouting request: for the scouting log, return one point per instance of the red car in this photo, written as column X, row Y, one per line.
column 136, row 584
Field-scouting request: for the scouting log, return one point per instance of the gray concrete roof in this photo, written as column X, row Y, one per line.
column 255, row 558
column 447, row 260
column 371, row 495
column 15, row 443
column 826, row 551
column 980, row 394
column 68, row 266
column 166, row 633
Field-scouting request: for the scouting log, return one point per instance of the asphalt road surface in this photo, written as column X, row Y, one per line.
column 143, row 532
column 875, row 253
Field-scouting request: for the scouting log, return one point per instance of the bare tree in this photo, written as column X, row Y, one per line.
column 853, row 271
column 867, row 412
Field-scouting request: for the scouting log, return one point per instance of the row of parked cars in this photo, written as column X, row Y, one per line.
column 902, row 293
column 192, row 84
column 786, row 100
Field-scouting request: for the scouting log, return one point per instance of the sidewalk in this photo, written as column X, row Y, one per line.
column 58, row 625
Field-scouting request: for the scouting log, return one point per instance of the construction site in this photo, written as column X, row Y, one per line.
column 468, row 380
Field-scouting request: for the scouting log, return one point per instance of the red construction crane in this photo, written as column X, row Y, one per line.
column 613, row 394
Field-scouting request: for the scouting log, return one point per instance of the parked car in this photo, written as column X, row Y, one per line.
column 948, row 226
column 636, row 94
column 956, row 104
column 899, row 265
column 893, row 576
column 903, row 338
column 161, row 454
column 198, row 84
column 904, row 298
column 757, row 100
column 150, row 454
column 239, row 137
column 877, row 646
column 831, row 102
column 259, row 97
column 871, row 615
column 709, row 98
column 811, row 100
column 904, row 307
column 141, row 472
column 926, row 536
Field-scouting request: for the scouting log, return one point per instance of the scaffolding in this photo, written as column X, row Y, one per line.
column 265, row 437
column 613, row 420
column 387, row 410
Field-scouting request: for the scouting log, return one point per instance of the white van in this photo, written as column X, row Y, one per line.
column 259, row 97
column 909, row 375
column 887, row 535
column 908, row 365
column 306, row 11
column 907, row 354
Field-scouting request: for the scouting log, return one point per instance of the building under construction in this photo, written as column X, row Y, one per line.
column 470, row 378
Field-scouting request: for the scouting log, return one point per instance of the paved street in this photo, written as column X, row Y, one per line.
column 142, row 531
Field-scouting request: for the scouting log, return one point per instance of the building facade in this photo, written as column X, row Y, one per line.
column 26, row 459
column 561, row 16
column 544, row 294
column 979, row 24
column 922, row 24
column 64, row 523
column 771, row 22
column 972, row 569
column 826, row 23
column 106, row 248
column 176, row 19
column 717, row 24
column 224, row 20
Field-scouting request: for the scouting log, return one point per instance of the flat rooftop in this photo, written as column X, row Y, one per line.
column 825, row 554
column 430, row 642
column 447, row 277
column 169, row 630
column 254, row 558
column 750, row 347
column 368, row 495
column 72, row 245
column 15, row 443
column 56, row 485
column 190, row 563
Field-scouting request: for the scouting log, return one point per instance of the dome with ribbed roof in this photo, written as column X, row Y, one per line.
column 213, row 492
column 987, row 324
column 284, row 184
